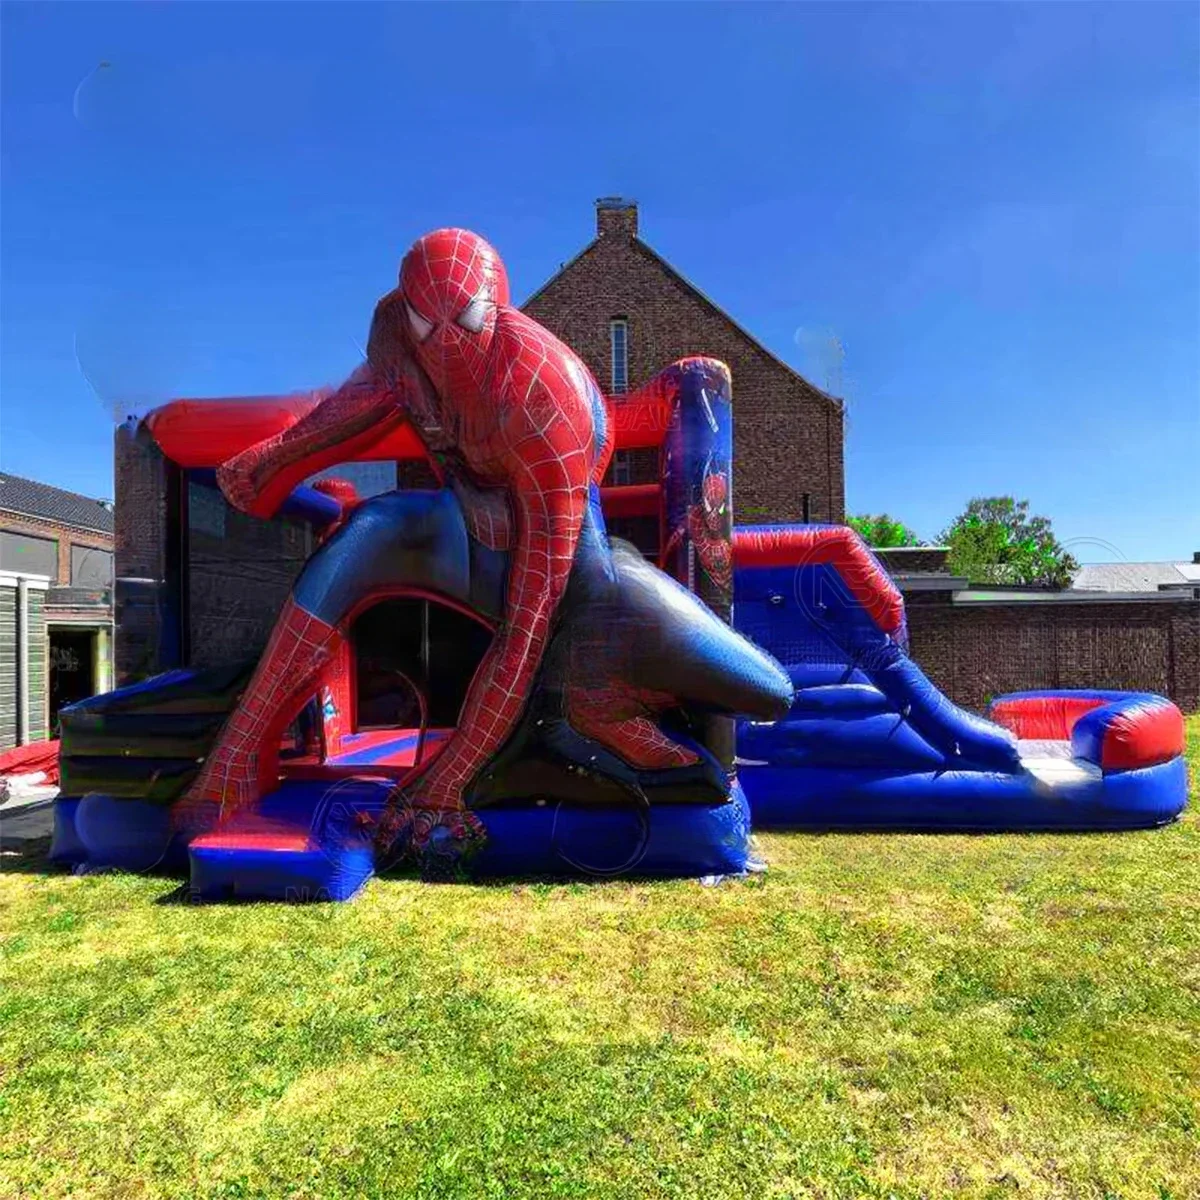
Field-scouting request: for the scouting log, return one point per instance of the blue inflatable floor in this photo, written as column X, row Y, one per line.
column 312, row 841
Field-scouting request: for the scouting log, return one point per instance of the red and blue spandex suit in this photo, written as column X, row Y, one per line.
column 516, row 425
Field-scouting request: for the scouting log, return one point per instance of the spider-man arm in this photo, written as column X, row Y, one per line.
column 261, row 477
column 345, row 422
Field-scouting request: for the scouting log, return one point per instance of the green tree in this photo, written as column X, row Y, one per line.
column 995, row 540
column 883, row 532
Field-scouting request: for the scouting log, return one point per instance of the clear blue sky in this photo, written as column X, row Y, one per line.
column 995, row 210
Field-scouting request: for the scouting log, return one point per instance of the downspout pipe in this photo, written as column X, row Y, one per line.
column 22, row 662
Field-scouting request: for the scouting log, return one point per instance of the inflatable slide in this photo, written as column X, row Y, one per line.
column 870, row 742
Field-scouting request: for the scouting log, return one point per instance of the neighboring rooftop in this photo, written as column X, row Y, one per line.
column 28, row 498
column 924, row 569
column 1137, row 576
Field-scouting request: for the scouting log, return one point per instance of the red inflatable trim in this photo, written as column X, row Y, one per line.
column 639, row 421
column 837, row 545
column 27, row 760
column 1043, row 718
column 235, row 839
column 632, row 500
column 207, row 433
column 1142, row 736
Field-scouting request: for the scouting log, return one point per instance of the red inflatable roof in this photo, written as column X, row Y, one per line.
column 837, row 545
column 205, row 433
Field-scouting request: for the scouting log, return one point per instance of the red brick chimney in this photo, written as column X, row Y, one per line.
column 616, row 217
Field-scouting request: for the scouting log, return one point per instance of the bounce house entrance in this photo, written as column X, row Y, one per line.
column 413, row 661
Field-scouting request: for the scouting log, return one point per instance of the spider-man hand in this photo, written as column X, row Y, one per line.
column 235, row 478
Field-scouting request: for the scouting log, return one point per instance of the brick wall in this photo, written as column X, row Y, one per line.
column 787, row 434
column 141, row 474
column 976, row 651
column 240, row 572
column 216, row 607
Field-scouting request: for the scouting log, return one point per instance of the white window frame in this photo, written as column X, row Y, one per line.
column 620, row 378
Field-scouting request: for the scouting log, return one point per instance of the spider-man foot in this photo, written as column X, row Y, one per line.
column 244, row 763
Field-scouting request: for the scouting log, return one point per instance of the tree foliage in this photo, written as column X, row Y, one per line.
column 995, row 540
column 883, row 532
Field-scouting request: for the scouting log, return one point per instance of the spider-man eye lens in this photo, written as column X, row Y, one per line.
column 420, row 327
column 472, row 317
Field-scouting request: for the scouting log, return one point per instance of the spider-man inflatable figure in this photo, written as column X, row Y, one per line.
column 708, row 526
column 516, row 426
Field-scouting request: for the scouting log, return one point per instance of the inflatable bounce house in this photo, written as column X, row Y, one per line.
column 554, row 702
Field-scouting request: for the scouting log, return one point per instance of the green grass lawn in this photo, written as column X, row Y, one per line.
column 876, row 1016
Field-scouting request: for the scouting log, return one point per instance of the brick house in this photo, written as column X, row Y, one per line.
column 628, row 313
column 56, row 616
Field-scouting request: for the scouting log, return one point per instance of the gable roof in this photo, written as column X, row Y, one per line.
column 28, row 498
column 656, row 258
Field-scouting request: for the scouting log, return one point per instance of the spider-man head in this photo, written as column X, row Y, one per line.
column 452, row 282
column 716, row 492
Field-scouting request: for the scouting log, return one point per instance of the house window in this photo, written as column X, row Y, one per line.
column 618, row 331
column 91, row 568
column 805, row 507
column 28, row 555
column 622, row 469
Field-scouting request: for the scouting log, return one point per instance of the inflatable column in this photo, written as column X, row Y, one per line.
column 698, row 500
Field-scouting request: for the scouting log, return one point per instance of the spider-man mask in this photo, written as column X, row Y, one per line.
column 716, row 492
column 452, row 282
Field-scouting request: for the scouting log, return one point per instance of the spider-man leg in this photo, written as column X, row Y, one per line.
column 619, row 718
column 386, row 542
column 244, row 763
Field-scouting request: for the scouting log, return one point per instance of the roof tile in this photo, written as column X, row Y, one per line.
column 27, row 497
